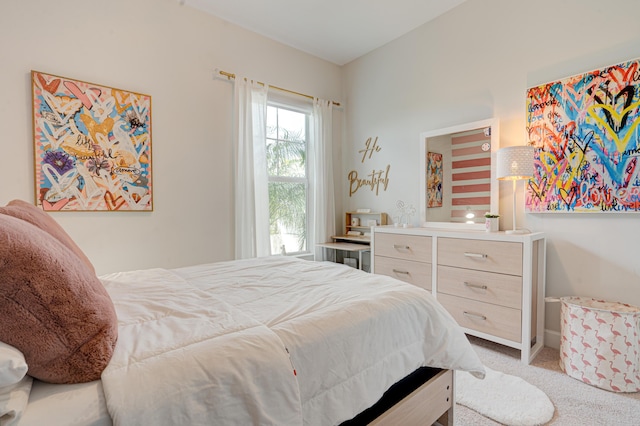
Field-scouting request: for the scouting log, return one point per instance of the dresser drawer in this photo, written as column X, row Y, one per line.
column 490, row 287
column 416, row 273
column 484, row 317
column 400, row 246
column 492, row 256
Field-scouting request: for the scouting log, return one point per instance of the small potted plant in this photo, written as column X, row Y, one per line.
column 491, row 222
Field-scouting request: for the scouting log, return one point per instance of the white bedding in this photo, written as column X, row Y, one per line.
column 351, row 335
column 184, row 356
column 209, row 343
column 80, row 404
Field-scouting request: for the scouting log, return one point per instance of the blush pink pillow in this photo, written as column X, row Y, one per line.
column 41, row 219
column 54, row 308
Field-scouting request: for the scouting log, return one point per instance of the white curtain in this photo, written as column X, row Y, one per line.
column 251, row 184
column 323, row 205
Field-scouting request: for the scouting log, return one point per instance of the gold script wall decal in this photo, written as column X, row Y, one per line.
column 369, row 149
column 373, row 179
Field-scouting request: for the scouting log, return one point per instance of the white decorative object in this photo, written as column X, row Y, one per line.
column 405, row 213
column 491, row 224
column 515, row 163
column 355, row 221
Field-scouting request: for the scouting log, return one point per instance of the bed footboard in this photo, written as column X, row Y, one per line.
column 432, row 402
column 420, row 399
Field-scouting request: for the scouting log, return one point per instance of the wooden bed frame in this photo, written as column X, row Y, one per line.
column 422, row 398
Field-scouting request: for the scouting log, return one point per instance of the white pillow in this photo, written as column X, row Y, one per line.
column 13, row 367
column 13, row 401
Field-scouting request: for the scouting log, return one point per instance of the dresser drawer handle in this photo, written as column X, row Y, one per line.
column 400, row 247
column 397, row 271
column 475, row 316
column 475, row 255
column 478, row 286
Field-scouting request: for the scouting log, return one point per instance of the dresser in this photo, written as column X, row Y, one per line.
column 492, row 283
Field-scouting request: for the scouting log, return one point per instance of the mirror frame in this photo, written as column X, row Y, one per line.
column 495, row 196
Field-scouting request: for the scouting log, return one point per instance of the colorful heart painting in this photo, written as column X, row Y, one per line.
column 585, row 129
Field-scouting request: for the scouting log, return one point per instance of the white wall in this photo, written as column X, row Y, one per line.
column 168, row 51
column 474, row 63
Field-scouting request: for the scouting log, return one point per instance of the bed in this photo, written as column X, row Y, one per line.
column 266, row 341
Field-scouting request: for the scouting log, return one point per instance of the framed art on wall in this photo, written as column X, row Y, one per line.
column 434, row 179
column 585, row 131
column 92, row 146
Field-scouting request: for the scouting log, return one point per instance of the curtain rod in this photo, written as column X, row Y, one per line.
column 230, row 76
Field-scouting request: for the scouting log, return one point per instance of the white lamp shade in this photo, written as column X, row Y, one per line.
column 515, row 162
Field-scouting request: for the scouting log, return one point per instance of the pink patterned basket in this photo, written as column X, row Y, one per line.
column 600, row 343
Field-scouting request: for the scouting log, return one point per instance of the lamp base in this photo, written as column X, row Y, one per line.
column 517, row 231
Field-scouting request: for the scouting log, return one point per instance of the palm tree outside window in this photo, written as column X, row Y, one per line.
column 287, row 137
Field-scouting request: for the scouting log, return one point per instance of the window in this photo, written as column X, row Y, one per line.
column 287, row 167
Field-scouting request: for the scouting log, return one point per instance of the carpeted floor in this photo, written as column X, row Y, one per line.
column 576, row 402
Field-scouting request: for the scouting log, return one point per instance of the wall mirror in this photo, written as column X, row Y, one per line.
column 457, row 180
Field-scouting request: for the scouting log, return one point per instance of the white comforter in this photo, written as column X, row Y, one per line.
column 208, row 344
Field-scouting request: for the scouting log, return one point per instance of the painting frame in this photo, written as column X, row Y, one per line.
column 92, row 146
column 586, row 133
column 434, row 179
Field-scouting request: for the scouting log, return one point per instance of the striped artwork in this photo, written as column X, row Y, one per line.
column 470, row 175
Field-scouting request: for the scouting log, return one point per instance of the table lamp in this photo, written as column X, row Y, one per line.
column 515, row 163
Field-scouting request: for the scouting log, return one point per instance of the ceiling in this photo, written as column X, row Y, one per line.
column 338, row 31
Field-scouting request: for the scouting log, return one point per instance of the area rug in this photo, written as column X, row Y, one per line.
column 504, row 398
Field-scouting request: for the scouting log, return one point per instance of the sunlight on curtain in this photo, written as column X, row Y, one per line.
column 251, row 191
column 324, row 221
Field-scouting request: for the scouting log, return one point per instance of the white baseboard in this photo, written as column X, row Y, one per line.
column 552, row 338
